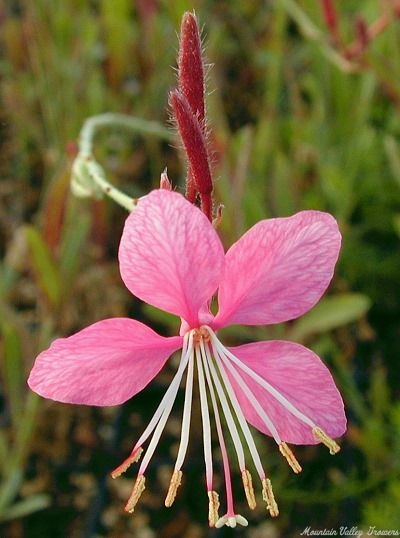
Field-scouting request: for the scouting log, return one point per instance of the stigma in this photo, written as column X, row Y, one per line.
column 205, row 359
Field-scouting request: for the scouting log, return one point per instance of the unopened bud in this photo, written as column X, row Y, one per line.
column 164, row 181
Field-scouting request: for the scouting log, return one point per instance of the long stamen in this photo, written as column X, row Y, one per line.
column 221, row 361
column 177, row 475
column 253, row 401
column 224, row 452
column 169, row 397
column 317, row 431
column 220, row 358
column 186, row 416
column 205, row 419
column 160, row 418
column 167, row 409
column 225, row 406
column 284, row 449
column 275, row 393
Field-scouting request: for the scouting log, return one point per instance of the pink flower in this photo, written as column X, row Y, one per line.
column 172, row 258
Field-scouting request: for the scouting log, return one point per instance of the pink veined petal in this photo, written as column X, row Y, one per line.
column 278, row 270
column 170, row 255
column 299, row 375
column 104, row 364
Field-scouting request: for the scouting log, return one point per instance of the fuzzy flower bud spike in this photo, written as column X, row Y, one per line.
column 188, row 109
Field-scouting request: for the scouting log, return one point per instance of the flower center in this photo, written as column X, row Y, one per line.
column 200, row 335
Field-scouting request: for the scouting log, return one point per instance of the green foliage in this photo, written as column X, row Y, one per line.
column 381, row 510
column 43, row 264
column 330, row 313
column 15, row 444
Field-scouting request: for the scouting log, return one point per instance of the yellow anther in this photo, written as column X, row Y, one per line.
column 248, row 489
column 268, row 496
column 127, row 463
column 326, row 440
column 138, row 489
column 173, row 487
column 290, row 457
column 213, row 506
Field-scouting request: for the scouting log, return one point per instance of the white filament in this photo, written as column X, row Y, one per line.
column 187, row 408
column 167, row 396
column 205, row 418
column 239, row 414
column 164, row 409
column 251, row 398
column 269, row 388
column 225, row 406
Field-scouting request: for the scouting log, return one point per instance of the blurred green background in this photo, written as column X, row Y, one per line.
column 303, row 115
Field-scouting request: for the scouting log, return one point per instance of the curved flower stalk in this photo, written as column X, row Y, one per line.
column 172, row 258
column 88, row 178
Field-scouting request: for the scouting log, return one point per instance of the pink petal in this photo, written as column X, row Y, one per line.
column 278, row 269
column 299, row 375
column 170, row 255
column 104, row 364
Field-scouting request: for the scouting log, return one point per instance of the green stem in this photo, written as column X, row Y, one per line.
column 309, row 30
column 88, row 177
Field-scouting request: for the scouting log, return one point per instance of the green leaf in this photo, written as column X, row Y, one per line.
column 43, row 265
column 393, row 154
column 396, row 223
column 330, row 313
column 26, row 507
column 160, row 317
column 4, row 449
column 381, row 511
column 8, row 490
column 73, row 240
column 13, row 372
